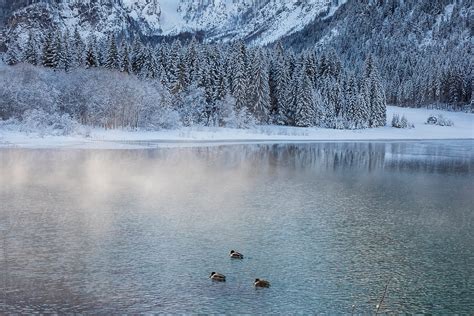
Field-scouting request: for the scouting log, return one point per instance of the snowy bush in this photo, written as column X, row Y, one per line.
column 244, row 119
column 10, row 124
column 48, row 124
column 439, row 120
column 402, row 122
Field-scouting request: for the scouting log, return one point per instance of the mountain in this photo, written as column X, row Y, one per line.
column 423, row 47
column 258, row 22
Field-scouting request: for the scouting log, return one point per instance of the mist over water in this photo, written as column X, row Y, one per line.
column 328, row 224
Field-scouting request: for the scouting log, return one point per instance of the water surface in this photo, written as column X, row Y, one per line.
column 329, row 224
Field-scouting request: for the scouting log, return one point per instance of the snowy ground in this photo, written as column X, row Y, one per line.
column 118, row 139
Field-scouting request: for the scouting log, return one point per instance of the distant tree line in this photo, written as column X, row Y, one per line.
column 266, row 85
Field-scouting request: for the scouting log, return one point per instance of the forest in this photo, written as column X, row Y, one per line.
column 116, row 83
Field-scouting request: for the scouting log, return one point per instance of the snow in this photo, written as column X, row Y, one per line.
column 206, row 136
column 334, row 8
column 284, row 23
column 171, row 20
column 261, row 22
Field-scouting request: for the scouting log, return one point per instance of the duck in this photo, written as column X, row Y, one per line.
column 236, row 255
column 261, row 283
column 217, row 277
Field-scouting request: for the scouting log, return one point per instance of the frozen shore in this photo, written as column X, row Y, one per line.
column 199, row 136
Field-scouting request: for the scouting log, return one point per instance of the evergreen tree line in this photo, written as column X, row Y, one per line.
column 423, row 47
column 268, row 85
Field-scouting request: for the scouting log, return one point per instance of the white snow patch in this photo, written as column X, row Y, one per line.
column 334, row 8
column 171, row 20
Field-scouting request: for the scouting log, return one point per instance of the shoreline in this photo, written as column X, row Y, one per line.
column 58, row 142
column 463, row 129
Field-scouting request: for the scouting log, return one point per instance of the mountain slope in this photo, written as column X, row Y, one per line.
column 423, row 47
column 259, row 22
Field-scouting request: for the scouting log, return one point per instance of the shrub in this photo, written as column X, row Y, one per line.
column 48, row 124
column 402, row 122
column 439, row 120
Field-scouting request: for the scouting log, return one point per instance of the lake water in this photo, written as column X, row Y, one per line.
column 330, row 225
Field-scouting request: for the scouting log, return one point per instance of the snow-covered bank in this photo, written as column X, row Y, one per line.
column 119, row 139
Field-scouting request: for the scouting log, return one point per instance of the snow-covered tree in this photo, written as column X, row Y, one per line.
column 137, row 58
column 91, row 54
column 149, row 70
column 305, row 114
column 112, row 54
column 65, row 57
column 351, row 110
column 78, row 49
column 50, row 55
column 124, row 58
column 260, row 87
column 13, row 54
column 279, row 85
column 374, row 94
column 239, row 83
column 31, row 50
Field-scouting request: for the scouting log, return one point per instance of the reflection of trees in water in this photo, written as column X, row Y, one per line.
column 323, row 156
column 394, row 156
column 405, row 156
column 330, row 156
column 430, row 158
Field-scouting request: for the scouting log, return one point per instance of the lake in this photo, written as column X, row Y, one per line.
column 330, row 225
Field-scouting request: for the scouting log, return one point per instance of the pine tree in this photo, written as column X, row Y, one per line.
column 374, row 94
column 124, row 58
column 184, row 76
column 91, row 54
column 223, row 89
column 240, row 80
column 319, row 109
column 13, row 54
column 149, row 70
column 112, row 55
column 288, row 113
column 260, row 100
column 304, row 115
column 279, row 85
column 330, row 93
column 59, row 57
column 213, row 75
column 78, row 49
column 173, row 71
column 31, row 51
column 191, row 59
column 351, row 109
column 362, row 115
column 49, row 58
column 137, row 56
column 65, row 58
column 455, row 86
column 162, row 77
column 311, row 67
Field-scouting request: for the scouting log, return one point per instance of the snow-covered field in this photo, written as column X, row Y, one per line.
column 199, row 136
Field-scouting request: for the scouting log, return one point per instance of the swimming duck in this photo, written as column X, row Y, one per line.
column 217, row 277
column 261, row 283
column 236, row 255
